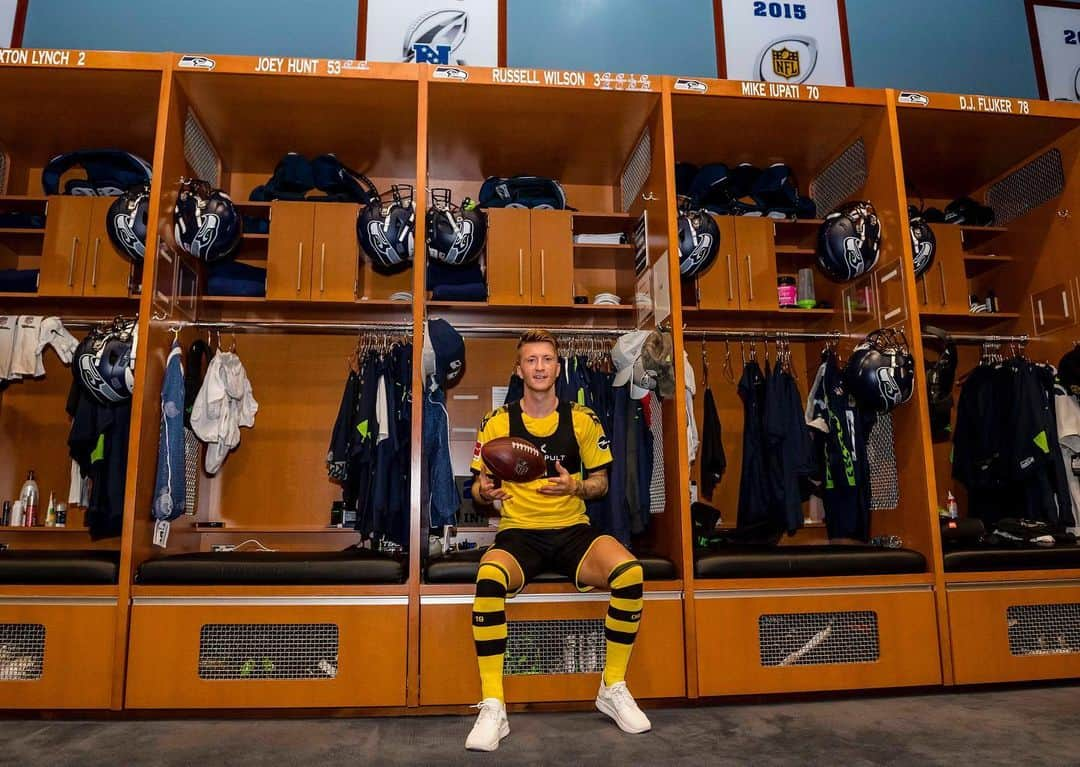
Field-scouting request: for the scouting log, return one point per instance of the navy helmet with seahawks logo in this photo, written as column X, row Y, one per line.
column 455, row 234
column 880, row 373
column 126, row 222
column 923, row 242
column 104, row 361
column 207, row 224
column 385, row 229
column 699, row 241
column 849, row 241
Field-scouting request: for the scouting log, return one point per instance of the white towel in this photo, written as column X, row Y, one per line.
column 54, row 334
column 224, row 404
column 7, row 345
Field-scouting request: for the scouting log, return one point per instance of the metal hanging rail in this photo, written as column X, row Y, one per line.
column 508, row 332
column 770, row 335
column 272, row 326
column 976, row 339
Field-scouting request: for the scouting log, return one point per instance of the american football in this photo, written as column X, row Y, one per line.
column 513, row 460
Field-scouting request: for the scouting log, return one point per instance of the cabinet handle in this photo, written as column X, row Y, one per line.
column 925, row 292
column 944, row 295
column 71, row 262
column 521, row 272
column 730, row 294
column 93, row 273
column 322, row 269
column 543, row 275
column 749, row 277
column 299, row 263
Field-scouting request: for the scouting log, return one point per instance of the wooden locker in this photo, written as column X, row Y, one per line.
column 946, row 280
column 552, row 241
column 335, row 252
column 108, row 271
column 288, row 257
column 63, row 255
column 755, row 242
column 718, row 286
column 509, row 256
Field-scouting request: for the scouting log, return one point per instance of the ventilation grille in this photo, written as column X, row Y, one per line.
column 815, row 639
column 555, row 647
column 199, row 152
column 1044, row 629
column 636, row 172
column 881, row 457
column 841, row 179
column 22, row 651
column 268, row 651
column 1040, row 181
column 192, row 462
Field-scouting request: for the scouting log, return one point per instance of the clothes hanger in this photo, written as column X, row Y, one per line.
column 704, row 363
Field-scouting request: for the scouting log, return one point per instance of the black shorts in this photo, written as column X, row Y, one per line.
column 548, row 551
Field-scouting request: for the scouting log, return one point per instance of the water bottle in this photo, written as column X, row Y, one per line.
column 31, row 500
column 17, row 514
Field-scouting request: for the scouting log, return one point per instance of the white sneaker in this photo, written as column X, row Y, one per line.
column 491, row 726
column 617, row 702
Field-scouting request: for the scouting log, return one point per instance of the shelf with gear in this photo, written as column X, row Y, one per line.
column 555, row 248
column 995, row 182
column 77, row 129
column 800, row 186
column 296, row 587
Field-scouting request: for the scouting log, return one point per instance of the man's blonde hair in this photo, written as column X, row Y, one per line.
column 537, row 336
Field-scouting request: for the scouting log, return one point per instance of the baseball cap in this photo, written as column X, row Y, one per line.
column 624, row 355
column 444, row 352
column 1069, row 371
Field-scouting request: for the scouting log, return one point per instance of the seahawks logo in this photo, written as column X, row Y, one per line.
column 207, row 234
column 379, row 242
column 853, row 256
column 462, row 242
column 122, row 223
column 92, row 380
column 698, row 255
column 923, row 252
column 888, row 387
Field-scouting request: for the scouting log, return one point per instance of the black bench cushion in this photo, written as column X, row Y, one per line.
column 805, row 561
column 461, row 568
column 969, row 560
column 73, row 568
column 288, row 568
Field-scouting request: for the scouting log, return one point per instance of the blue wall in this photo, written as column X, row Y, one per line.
column 945, row 45
column 254, row 27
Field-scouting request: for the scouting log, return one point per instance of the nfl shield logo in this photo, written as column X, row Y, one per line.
column 785, row 63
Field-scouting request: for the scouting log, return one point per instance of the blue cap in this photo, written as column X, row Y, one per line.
column 444, row 352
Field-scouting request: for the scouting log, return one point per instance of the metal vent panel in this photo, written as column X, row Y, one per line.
column 840, row 179
column 815, row 639
column 1051, row 629
column 22, row 651
column 199, row 152
column 555, row 647
column 636, row 172
column 249, row 651
column 881, row 456
column 1025, row 189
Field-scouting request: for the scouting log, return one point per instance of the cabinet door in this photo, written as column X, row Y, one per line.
column 552, row 240
column 63, row 254
column 718, row 286
column 288, row 253
column 755, row 244
column 108, row 271
column 336, row 253
column 508, row 256
column 946, row 281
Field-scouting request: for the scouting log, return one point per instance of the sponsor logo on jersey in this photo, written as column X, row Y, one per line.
column 477, row 450
column 603, row 443
column 788, row 60
column 196, row 62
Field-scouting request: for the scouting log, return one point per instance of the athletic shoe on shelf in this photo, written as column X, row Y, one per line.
column 617, row 702
column 491, row 726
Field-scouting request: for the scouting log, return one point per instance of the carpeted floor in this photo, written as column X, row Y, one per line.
column 1014, row 727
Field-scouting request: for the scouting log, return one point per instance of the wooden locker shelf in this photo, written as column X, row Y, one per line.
column 42, row 529
column 268, row 530
column 969, row 318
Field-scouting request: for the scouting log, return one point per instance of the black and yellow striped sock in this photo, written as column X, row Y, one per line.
column 489, row 626
column 623, row 618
